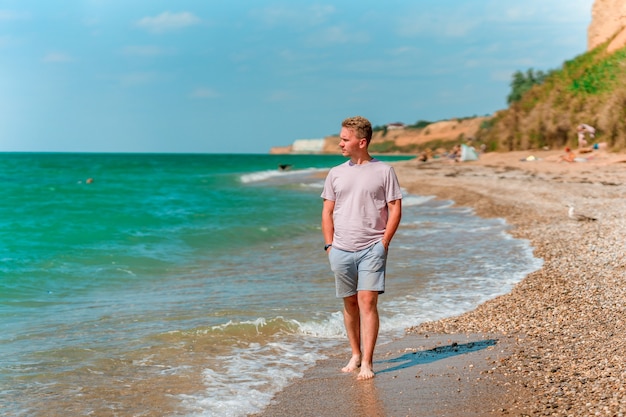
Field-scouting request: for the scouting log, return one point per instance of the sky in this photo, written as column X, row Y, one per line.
column 217, row 76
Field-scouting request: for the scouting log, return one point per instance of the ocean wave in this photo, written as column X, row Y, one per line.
column 245, row 380
column 415, row 200
column 266, row 175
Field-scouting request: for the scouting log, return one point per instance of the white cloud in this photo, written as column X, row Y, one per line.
column 143, row 50
column 336, row 35
column 320, row 13
column 168, row 21
column 6, row 41
column 450, row 25
column 11, row 15
column 555, row 11
column 501, row 75
column 204, row 93
column 137, row 78
column 403, row 51
column 283, row 16
column 280, row 95
column 57, row 57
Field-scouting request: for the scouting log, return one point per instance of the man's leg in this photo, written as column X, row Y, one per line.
column 367, row 301
column 352, row 321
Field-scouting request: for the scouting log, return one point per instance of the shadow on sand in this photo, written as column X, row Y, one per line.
column 410, row 359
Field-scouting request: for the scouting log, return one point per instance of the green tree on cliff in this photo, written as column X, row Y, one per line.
column 521, row 83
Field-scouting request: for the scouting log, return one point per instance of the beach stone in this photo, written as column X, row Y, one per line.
column 566, row 320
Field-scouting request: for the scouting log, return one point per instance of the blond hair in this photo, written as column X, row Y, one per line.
column 361, row 127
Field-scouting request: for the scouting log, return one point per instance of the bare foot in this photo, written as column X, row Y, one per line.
column 366, row 372
column 353, row 365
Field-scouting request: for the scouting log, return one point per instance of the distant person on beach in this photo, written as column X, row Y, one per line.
column 569, row 156
column 582, row 130
column 455, row 153
column 360, row 215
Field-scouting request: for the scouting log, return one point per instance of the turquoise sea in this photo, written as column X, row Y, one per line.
column 196, row 285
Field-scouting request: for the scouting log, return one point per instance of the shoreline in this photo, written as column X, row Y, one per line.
column 555, row 341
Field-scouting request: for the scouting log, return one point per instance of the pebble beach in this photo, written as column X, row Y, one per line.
column 566, row 321
column 553, row 346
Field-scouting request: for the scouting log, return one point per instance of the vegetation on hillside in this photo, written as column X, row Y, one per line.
column 522, row 82
column 545, row 108
column 545, row 111
column 390, row 146
column 436, row 143
column 420, row 124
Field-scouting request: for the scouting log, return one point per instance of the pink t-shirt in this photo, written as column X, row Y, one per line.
column 360, row 193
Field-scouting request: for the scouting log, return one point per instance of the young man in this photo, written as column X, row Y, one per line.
column 361, row 213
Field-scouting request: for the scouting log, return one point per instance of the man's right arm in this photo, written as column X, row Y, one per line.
column 328, row 225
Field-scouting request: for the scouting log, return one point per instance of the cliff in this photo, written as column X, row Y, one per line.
column 413, row 140
column 409, row 139
column 608, row 23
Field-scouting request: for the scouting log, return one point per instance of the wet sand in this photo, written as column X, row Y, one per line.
column 554, row 345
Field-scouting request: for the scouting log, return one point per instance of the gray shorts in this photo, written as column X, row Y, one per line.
column 363, row 270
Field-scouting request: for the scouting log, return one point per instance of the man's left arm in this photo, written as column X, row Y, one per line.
column 393, row 221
